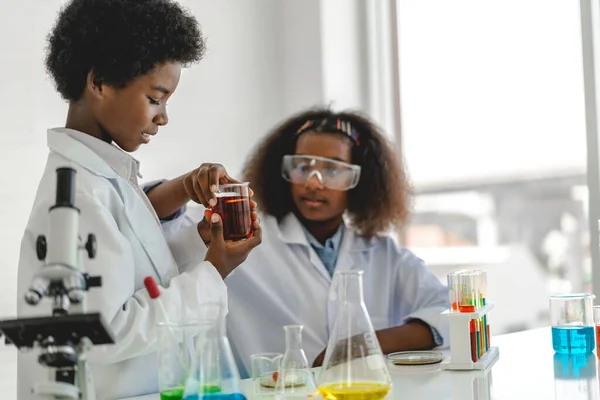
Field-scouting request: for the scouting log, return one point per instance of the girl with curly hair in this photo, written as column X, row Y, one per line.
column 331, row 189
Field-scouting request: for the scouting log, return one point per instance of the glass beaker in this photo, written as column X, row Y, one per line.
column 572, row 321
column 454, row 288
column 175, row 352
column 354, row 366
column 265, row 371
column 213, row 374
column 295, row 378
column 233, row 205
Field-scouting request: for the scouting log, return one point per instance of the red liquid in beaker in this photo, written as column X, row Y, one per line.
column 234, row 210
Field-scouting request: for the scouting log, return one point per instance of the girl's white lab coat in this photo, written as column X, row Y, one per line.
column 284, row 282
column 131, row 246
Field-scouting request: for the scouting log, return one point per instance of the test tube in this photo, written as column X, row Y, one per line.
column 480, row 282
column 473, row 334
column 484, row 296
column 484, row 287
column 466, row 282
column 454, row 289
column 481, row 291
column 467, row 303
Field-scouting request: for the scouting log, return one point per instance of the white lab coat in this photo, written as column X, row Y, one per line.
column 284, row 282
column 131, row 246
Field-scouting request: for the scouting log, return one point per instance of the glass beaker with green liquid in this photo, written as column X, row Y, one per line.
column 354, row 367
column 175, row 352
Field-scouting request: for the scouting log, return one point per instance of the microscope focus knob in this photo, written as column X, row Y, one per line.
column 41, row 247
column 32, row 297
column 91, row 245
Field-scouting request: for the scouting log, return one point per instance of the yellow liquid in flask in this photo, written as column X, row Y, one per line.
column 355, row 391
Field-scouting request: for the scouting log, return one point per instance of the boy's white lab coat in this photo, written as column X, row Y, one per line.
column 131, row 246
column 284, row 282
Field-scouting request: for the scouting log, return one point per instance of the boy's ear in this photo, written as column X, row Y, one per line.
column 94, row 85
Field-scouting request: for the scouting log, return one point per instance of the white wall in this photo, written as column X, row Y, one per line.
column 263, row 63
column 235, row 94
column 344, row 38
column 302, row 58
column 25, row 105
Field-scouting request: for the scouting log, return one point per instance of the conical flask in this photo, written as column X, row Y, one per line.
column 354, row 367
column 295, row 378
column 213, row 374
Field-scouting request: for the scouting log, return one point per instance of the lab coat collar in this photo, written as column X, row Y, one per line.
column 98, row 157
column 291, row 232
column 351, row 249
column 109, row 162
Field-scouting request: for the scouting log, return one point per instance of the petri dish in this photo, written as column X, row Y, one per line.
column 293, row 380
column 415, row 357
column 268, row 380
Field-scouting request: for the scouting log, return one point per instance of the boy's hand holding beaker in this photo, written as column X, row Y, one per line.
column 227, row 255
column 239, row 225
column 211, row 186
column 202, row 183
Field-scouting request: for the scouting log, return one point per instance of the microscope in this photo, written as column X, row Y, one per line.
column 65, row 338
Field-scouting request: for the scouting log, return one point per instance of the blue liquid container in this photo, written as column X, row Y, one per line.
column 218, row 396
column 573, row 339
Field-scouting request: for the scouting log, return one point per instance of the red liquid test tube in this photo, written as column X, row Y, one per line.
column 473, row 341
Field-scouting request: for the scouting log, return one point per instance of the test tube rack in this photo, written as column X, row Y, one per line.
column 460, row 341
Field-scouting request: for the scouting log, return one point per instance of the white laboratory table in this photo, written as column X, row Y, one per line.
column 526, row 369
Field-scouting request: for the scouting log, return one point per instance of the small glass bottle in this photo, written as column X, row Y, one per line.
column 295, row 378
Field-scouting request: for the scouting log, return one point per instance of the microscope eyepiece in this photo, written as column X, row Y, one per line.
column 65, row 187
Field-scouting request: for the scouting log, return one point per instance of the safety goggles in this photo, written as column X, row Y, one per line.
column 332, row 174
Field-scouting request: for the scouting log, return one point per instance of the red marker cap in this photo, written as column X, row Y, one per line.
column 151, row 287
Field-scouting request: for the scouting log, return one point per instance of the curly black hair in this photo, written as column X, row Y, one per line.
column 379, row 202
column 120, row 40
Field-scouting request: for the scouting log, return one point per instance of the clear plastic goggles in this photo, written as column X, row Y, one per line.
column 332, row 174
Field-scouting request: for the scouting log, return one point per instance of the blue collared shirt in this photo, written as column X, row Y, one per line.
column 328, row 253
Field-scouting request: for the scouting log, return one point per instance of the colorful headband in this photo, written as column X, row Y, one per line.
column 339, row 125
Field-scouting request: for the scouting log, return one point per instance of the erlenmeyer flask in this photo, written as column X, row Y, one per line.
column 354, row 367
column 295, row 378
column 214, row 375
